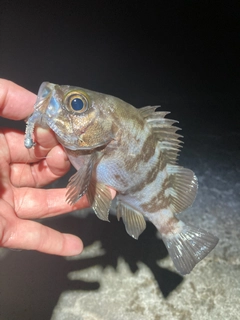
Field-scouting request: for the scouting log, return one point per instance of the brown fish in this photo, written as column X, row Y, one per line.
column 134, row 151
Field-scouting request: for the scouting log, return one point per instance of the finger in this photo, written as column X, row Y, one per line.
column 45, row 138
column 32, row 235
column 41, row 173
column 17, row 151
column 16, row 103
column 42, row 203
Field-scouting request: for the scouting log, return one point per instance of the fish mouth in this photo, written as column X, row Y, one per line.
column 47, row 105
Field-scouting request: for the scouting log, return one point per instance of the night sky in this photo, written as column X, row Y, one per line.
column 183, row 55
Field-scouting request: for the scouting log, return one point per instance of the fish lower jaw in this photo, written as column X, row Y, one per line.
column 71, row 145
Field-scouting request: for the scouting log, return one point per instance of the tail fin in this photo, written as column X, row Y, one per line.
column 189, row 247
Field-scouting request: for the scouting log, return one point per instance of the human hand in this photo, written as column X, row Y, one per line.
column 22, row 172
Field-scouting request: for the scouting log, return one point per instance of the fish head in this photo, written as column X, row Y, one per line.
column 76, row 115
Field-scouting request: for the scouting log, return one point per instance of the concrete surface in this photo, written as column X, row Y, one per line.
column 119, row 278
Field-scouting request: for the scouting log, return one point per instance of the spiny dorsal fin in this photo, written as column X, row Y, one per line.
column 134, row 221
column 164, row 131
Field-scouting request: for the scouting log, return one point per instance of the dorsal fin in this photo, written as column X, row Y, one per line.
column 165, row 132
column 181, row 188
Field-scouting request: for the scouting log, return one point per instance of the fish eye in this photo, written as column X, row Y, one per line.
column 76, row 102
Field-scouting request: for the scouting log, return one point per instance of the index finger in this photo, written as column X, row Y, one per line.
column 16, row 103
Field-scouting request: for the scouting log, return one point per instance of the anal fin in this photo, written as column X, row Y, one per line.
column 134, row 221
column 189, row 247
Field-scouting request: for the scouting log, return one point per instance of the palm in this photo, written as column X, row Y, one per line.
column 22, row 172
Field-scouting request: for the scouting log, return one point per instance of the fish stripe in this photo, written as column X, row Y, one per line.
column 158, row 201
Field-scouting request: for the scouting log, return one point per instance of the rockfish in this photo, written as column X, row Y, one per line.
column 134, row 151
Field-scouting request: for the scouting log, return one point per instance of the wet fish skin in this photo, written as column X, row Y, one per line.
column 134, row 151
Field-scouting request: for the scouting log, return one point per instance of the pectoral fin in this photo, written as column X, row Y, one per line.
column 133, row 220
column 78, row 184
column 100, row 199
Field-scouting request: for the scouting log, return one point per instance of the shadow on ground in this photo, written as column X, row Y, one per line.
column 31, row 282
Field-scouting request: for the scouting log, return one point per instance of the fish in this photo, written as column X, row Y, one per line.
column 132, row 150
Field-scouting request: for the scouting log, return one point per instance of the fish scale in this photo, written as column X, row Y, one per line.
column 134, row 151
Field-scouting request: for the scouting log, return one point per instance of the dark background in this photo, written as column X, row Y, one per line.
column 183, row 55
